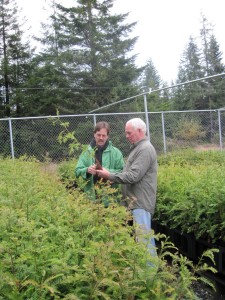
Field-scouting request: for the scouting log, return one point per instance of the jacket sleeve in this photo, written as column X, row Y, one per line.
column 84, row 161
column 136, row 169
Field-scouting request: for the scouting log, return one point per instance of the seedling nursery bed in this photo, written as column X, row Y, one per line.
column 193, row 248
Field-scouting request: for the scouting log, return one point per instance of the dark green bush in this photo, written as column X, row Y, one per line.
column 191, row 193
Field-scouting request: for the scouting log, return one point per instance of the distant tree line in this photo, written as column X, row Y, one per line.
column 85, row 62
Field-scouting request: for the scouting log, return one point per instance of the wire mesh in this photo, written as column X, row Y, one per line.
column 169, row 131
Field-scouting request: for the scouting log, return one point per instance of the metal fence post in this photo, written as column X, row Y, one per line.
column 164, row 134
column 146, row 116
column 220, row 131
column 94, row 117
column 11, row 138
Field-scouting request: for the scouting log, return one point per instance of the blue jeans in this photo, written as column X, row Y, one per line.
column 143, row 219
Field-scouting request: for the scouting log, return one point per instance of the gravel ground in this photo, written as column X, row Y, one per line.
column 204, row 293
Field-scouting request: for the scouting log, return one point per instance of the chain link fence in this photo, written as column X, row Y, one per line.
column 168, row 131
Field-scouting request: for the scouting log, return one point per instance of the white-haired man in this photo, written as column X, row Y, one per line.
column 139, row 177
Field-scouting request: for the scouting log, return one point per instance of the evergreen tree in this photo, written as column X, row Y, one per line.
column 150, row 80
column 217, row 90
column 48, row 86
column 88, row 55
column 150, row 76
column 212, row 65
column 199, row 63
column 15, row 60
column 189, row 96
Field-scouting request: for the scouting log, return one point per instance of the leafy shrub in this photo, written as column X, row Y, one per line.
column 191, row 157
column 189, row 130
column 66, row 172
column 59, row 245
column 191, row 193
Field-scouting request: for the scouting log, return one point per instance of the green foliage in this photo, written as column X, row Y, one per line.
column 86, row 61
column 31, row 136
column 66, row 170
column 191, row 193
column 66, row 136
column 15, row 61
column 86, row 58
column 191, row 157
column 151, row 80
column 59, row 245
column 190, row 131
column 198, row 62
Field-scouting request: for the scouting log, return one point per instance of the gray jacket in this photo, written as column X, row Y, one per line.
column 139, row 177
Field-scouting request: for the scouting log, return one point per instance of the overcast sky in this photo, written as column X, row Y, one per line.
column 163, row 27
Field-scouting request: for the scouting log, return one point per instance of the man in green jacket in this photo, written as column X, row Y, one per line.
column 99, row 153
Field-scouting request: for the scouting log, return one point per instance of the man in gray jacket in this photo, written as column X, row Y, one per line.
column 139, row 177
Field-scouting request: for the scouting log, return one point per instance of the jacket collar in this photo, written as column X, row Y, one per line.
column 139, row 142
column 92, row 145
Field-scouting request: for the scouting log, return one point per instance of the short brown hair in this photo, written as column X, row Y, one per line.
column 101, row 125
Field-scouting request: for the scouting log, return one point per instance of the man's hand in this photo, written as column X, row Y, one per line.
column 92, row 170
column 103, row 173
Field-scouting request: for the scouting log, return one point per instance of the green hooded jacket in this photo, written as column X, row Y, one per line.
column 112, row 160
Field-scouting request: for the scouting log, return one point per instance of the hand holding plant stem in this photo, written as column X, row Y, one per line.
column 103, row 173
column 92, row 170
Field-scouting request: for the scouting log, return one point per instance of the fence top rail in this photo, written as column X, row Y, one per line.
column 66, row 116
column 114, row 113
column 150, row 90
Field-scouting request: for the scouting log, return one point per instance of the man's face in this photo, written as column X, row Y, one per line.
column 132, row 135
column 101, row 137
